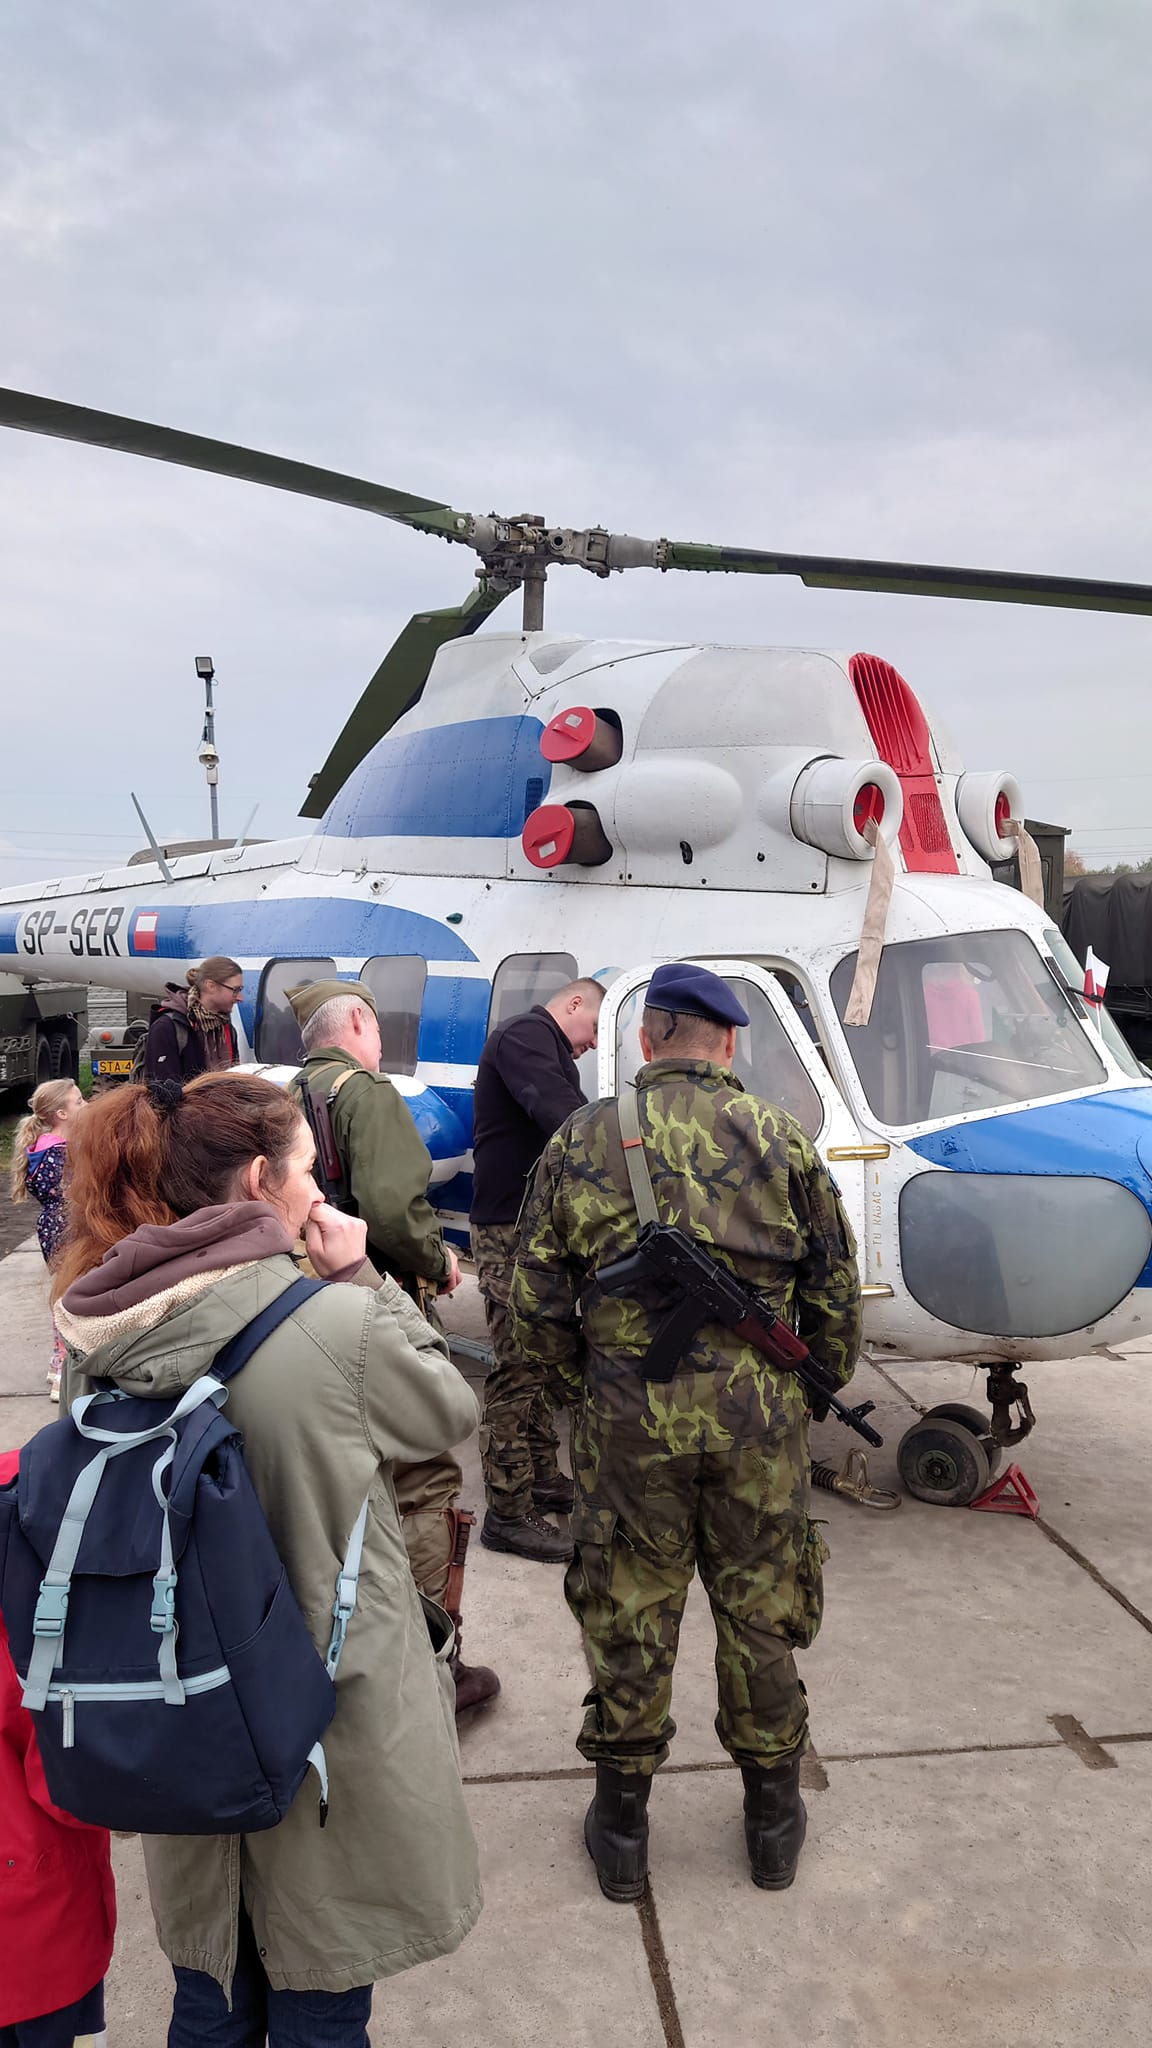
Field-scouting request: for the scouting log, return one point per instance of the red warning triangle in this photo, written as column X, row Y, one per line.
column 1008, row 1495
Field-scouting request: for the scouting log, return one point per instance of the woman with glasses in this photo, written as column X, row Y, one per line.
column 191, row 1031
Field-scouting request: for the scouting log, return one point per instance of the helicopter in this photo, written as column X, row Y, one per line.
column 504, row 811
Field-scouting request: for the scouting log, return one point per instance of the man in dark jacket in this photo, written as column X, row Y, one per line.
column 526, row 1087
column 192, row 1032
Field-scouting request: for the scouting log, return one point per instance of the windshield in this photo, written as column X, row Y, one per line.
column 1070, row 974
column 975, row 1020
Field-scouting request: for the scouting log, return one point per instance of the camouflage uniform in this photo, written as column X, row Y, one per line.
column 711, row 1469
column 518, row 1440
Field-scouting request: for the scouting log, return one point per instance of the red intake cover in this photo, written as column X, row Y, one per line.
column 900, row 731
column 569, row 734
column 547, row 837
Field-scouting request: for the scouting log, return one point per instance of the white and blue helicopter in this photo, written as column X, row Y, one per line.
column 504, row 812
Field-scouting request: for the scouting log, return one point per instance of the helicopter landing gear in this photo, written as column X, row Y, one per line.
column 951, row 1454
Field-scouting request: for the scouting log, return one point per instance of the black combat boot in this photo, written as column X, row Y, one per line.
column 775, row 1822
column 616, row 1832
column 526, row 1535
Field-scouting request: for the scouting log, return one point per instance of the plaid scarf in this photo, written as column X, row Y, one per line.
column 211, row 1028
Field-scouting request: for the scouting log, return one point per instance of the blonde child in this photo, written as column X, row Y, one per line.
column 38, row 1158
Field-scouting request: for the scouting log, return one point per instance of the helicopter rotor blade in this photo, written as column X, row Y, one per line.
column 914, row 579
column 397, row 684
column 21, row 409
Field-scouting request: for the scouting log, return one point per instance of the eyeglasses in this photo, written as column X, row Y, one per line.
column 232, row 988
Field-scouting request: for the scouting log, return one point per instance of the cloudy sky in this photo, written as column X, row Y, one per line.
column 857, row 279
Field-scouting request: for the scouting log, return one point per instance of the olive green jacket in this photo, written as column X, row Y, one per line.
column 353, row 1381
column 386, row 1161
column 732, row 1170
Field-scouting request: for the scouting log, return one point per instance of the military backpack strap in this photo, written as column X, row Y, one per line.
column 635, row 1159
column 348, row 1074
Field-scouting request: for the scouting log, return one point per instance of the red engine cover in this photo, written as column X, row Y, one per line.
column 569, row 734
column 900, row 730
column 548, row 835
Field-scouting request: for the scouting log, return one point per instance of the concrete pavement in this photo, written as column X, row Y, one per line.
column 973, row 1870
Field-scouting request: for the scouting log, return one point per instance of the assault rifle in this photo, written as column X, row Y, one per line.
column 702, row 1291
column 329, row 1169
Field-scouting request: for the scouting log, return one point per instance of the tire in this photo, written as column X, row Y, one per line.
column 60, row 1053
column 943, row 1463
column 970, row 1418
column 43, row 1061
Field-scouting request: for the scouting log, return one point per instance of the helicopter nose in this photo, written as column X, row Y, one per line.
column 1018, row 1254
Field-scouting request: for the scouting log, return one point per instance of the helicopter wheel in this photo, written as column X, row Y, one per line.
column 970, row 1418
column 943, row 1462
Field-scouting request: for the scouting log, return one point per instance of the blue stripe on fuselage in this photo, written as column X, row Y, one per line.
column 479, row 779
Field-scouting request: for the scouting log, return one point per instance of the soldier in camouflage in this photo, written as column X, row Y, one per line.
column 709, row 1470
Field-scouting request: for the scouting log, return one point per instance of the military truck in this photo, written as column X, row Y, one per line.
column 42, row 1028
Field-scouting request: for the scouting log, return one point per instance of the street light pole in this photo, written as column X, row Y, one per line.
column 209, row 758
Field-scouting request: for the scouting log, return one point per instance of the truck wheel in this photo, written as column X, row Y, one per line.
column 43, row 1060
column 60, row 1053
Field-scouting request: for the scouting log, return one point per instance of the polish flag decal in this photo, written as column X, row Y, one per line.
column 144, row 931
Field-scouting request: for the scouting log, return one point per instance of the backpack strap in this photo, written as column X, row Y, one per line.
column 235, row 1354
column 635, row 1159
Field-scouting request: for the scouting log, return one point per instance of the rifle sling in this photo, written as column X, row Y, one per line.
column 635, row 1158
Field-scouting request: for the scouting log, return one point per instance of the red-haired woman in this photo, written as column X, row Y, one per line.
column 186, row 1204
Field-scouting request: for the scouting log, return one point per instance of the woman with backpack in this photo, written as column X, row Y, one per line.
column 192, row 1030
column 39, row 1152
column 187, row 1203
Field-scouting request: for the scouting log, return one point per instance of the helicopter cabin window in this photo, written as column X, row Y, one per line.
column 1070, row 974
column 525, row 979
column 397, row 982
column 962, row 1022
column 278, row 1040
column 766, row 1060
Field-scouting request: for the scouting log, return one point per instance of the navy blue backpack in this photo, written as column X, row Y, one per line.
column 175, row 1686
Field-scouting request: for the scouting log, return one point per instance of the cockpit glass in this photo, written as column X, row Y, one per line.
column 1070, row 974
column 966, row 1021
column 766, row 1060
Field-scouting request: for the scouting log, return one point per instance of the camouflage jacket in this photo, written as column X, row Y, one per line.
column 737, row 1173
column 386, row 1162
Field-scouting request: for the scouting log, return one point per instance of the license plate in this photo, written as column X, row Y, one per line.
column 111, row 1067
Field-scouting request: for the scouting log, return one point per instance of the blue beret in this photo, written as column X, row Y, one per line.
column 694, row 992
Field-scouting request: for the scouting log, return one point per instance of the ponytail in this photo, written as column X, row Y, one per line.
column 44, row 1108
column 145, row 1155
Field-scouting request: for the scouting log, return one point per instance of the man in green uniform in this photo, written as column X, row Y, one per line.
column 387, row 1169
column 710, row 1469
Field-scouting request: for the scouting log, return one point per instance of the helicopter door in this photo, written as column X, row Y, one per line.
column 277, row 1034
column 775, row 1058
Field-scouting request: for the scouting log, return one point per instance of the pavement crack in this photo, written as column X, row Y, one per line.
column 1086, row 1565
column 1090, row 1752
column 658, row 1970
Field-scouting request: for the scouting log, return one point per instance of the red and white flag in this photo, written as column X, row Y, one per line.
column 1095, row 979
column 144, row 931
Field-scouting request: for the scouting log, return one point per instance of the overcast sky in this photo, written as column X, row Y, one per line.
column 858, row 279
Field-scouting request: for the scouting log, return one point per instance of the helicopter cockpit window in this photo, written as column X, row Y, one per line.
column 397, row 982
column 962, row 1022
column 766, row 1059
column 277, row 1037
column 1070, row 974
column 525, row 979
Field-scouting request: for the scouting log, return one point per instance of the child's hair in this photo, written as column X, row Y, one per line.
column 145, row 1155
column 44, row 1108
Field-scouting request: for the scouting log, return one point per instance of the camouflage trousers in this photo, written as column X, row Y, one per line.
column 518, row 1440
column 645, row 1519
column 426, row 1495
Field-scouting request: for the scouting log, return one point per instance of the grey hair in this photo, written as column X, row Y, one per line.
column 329, row 1024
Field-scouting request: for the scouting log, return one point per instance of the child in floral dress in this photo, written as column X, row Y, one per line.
column 38, row 1161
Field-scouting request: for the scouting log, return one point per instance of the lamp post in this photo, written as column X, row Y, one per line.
column 208, row 756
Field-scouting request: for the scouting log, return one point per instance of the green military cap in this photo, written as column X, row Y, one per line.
column 312, row 995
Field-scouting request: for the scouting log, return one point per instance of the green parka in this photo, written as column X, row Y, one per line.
column 353, row 1381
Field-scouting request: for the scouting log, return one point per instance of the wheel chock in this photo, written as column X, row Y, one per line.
column 1008, row 1495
